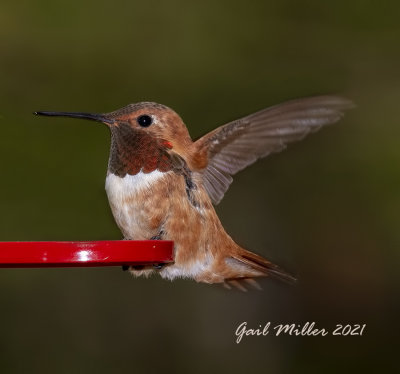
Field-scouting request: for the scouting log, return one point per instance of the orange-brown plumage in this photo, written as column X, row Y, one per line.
column 161, row 184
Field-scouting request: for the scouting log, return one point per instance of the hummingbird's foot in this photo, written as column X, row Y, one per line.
column 158, row 266
column 158, row 236
column 141, row 267
column 136, row 267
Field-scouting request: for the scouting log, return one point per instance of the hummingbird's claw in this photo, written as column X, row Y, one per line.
column 158, row 266
column 138, row 267
column 158, row 236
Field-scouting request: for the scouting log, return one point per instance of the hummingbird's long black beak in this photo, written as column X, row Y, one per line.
column 92, row 116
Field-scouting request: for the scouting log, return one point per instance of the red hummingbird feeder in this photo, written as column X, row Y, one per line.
column 85, row 253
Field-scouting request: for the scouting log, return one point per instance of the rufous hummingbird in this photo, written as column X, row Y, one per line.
column 162, row 185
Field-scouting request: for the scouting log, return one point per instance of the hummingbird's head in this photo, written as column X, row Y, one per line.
column 141, row 134
column 155, row 120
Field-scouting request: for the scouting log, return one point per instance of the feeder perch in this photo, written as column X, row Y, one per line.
column 85, row 254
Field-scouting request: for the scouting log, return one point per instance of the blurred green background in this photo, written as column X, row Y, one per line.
column 327, row 209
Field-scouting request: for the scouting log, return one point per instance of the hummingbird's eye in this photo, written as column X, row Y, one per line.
column 144, row 120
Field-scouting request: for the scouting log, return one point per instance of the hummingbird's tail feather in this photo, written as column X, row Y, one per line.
column 242, row 283
column 258, row 267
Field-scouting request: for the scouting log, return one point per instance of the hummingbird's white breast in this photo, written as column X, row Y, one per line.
column 128, row 196
column 118, row 187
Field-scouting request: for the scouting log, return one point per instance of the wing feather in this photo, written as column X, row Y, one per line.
column 238, row 144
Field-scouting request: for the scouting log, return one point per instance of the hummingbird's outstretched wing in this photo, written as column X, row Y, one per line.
column 237, row 144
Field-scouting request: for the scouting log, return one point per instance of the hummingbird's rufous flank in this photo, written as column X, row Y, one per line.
column 162, row 185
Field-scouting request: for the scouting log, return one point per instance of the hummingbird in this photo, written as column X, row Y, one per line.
column 162, row 185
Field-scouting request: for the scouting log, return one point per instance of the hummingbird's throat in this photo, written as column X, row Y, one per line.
column 133, row 151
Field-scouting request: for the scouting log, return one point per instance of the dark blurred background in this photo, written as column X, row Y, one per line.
column 326, row 209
